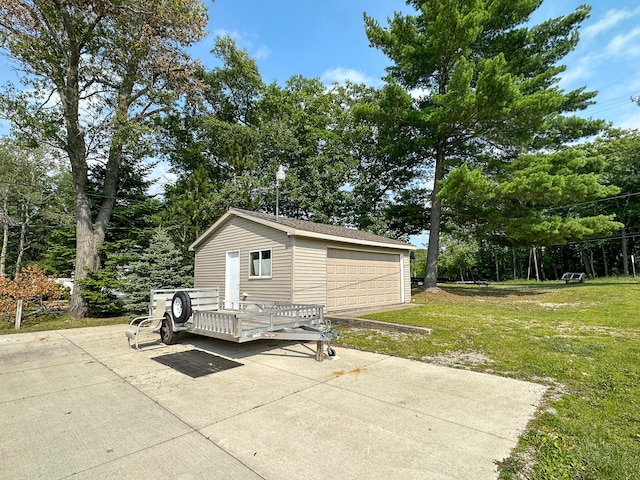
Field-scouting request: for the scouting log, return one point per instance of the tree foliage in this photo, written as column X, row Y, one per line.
column 346, row 161
column 32, row 198
column 98, row 71
column 530, row 202
column 158, row 266
column 457, row 257
column 486, row 83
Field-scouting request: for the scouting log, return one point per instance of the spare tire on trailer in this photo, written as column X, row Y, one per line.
column 181, row 307
column 167, row 335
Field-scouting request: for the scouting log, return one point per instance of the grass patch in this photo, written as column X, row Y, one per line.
column 53, row 321
column 583, row 340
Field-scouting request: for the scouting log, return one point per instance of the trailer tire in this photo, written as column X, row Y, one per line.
column 181, row 307
column 331, row 352
column 167, row 335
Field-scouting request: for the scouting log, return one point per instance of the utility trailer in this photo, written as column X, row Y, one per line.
column 199, row 311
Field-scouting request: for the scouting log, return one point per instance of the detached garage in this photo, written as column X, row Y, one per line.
column 280, row 259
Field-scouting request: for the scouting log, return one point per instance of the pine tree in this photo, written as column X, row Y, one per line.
column 159, row 266
column 487, row 85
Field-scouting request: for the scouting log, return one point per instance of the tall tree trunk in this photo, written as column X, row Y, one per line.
column 90, row 235
column 69, row 90
column 85, row 248
column 625, row 252
column 515, row 265
column 593, row 270
column 585, row 262
column 605, row 262
column 5, row 237
column 22, row 243
column 433, row 250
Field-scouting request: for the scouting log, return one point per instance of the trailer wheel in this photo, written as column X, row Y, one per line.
column 181, row 307
column 331, row 352
column 167, row 335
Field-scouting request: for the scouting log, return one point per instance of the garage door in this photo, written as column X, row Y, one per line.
column 361, row 279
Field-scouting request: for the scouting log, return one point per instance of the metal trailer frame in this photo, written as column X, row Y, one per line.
column 245, row 321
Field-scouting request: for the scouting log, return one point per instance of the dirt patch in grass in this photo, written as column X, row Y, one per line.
column 423, row 296
column 458, row 359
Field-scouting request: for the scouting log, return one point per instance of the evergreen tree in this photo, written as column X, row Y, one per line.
column 486, row 82
column 159, row 266
column 531, row 201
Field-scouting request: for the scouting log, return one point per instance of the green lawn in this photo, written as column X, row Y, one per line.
column 44, row 322
column 582, row 340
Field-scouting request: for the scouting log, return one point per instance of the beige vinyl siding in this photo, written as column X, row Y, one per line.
column 246, row 236
column 407, row 278
column 363, row 278
column 309, row 271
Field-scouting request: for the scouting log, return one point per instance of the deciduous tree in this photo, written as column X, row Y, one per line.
column 97, row 71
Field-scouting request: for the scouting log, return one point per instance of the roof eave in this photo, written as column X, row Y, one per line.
column 355, row 241
column 295, row 232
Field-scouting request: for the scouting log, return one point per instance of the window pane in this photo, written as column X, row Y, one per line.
column 254, row 264
column 266, row 263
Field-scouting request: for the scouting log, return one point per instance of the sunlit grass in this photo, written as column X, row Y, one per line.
column 582, row 340
column 40, row 323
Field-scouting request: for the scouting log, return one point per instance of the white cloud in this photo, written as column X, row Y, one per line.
column 610, row 20
column 625, row 45
column 262, row 53
column 585, row 68
column 342, row 75
column 631, row 122
column 221, row 32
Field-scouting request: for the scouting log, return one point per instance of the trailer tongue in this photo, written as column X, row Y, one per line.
column 198, row 311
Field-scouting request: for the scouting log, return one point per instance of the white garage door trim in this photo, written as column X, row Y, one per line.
column 357, row 279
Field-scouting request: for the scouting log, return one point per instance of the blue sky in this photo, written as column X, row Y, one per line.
column 326, row 40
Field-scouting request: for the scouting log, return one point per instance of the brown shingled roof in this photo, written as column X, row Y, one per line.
column 320, row 228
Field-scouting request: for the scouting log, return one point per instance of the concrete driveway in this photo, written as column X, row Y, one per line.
column 82, row 403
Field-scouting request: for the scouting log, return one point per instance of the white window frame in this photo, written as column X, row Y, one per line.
column 259, row 252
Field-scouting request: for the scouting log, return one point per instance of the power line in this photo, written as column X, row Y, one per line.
column 88, row 194
column 616, row 197
column 604, row 106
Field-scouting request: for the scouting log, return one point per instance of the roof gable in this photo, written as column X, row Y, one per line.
column 303, row 228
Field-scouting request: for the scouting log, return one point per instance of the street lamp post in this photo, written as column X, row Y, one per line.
column 280, row 176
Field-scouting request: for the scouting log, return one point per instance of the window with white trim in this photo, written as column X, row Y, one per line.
column 260, row 264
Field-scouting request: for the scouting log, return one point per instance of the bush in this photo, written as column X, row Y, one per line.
column 32, row 286
column 99, row 290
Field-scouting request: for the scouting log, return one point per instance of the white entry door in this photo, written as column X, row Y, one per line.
column 232, row 281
